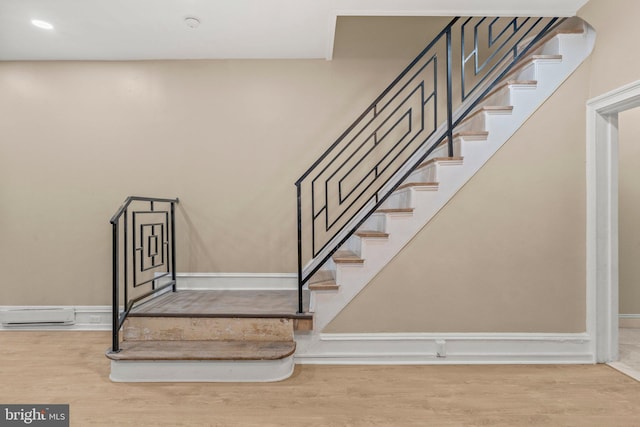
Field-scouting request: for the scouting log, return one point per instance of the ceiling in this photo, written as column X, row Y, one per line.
column 156, row 29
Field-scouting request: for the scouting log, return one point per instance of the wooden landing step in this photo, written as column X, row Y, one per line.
column 203, row 350
column 202, row 361
column 211, row 336
column 226, row 304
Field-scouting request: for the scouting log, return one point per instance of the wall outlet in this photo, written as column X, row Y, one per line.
column 94, row 319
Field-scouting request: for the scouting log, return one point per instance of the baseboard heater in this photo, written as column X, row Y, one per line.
column 38, row 317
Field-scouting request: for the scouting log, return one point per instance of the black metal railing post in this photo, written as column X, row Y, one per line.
column 300, row 281
column 173, row 245
column 125, row 258
column 160, row 266
column 115, row 314
column 449, row 94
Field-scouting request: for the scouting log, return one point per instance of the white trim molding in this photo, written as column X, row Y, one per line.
column 444, row 348
column 602, row 216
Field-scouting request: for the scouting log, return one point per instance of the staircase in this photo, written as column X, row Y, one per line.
column 169, row 334
column 410, row 206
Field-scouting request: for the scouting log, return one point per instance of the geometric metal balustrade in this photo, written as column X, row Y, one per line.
column 410, row 119
column 143, row 255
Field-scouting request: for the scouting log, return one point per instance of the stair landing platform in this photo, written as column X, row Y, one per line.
column 211, row 336
column 225, row 303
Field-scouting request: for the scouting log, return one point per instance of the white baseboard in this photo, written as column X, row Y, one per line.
column 237, row 281
column 389, row 348
column 461, row 348
column 629, row 321
column 87, row 318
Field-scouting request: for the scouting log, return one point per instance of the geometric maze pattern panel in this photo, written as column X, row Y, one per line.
column 150, row 246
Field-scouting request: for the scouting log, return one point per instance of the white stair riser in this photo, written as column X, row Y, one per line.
column 527, row 72
column 424, row 174
column 399, row 199
column 376, row 222
column 443, row 150
column 353, row 244
column 552, row 47
column 202, row 370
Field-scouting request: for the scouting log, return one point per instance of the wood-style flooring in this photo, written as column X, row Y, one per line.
column 70, row 367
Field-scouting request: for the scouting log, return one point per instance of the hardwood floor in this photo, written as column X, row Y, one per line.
column 70, row 367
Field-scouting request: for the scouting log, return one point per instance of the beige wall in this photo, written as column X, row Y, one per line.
column 629, row 211
column 228, row 137
column 614, row 59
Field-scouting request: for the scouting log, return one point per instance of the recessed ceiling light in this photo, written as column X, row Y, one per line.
column 42, row 24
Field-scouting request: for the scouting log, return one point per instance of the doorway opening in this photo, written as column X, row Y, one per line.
column 602, row 217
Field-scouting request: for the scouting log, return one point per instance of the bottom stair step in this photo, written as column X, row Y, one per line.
column 202, row 361
column 203, row 350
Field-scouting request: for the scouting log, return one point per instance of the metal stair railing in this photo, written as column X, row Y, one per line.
column 143, row 255
column 414, row 115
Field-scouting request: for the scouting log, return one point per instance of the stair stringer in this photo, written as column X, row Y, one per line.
column 451, row 176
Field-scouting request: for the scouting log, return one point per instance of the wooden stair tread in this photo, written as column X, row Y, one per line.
column 470, row 133
column 371, row 233
column 440, row 159
column 497, row 108
column 395, row 210
column 487, row 109
column 229, row 314
column 347, row 257
column 203, row 350
column 511, row 82
column 467, row 134
column 329, row 285
column 570, row 31
column 418, row 184
column 528, row 60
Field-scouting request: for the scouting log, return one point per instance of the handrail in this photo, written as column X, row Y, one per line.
column 403, row 126
column 130, row 199
column 148, row 253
